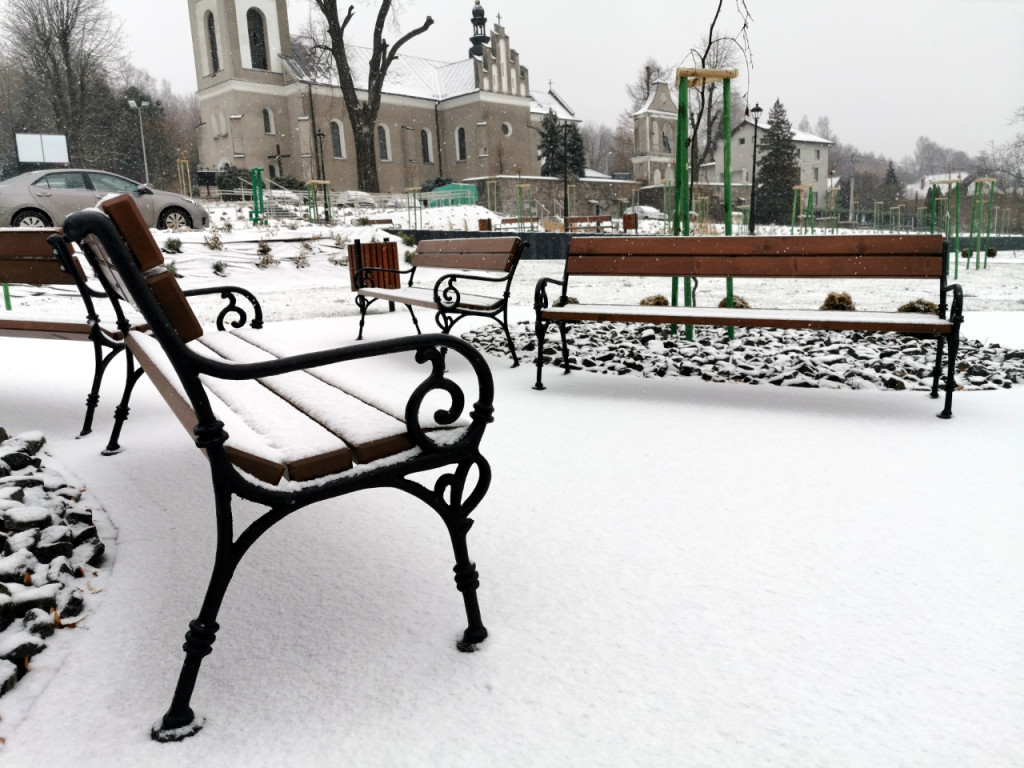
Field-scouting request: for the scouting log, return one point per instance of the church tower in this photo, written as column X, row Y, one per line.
column 239, row 40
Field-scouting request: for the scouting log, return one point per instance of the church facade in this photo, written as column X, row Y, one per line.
column 267, row 102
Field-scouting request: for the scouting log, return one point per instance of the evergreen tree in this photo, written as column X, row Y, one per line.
column 778, row 169
column 892, row 189
column 561, row 144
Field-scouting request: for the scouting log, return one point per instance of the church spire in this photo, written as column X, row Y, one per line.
column 480, row 35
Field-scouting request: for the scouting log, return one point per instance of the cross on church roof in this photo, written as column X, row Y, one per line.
column 499, row 19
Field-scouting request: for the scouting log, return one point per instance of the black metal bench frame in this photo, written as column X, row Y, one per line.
column 453, row 496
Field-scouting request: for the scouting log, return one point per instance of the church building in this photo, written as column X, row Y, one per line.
column 266, row 102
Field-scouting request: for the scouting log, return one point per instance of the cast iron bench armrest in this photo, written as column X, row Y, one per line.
column 449, row 297
column 363, row 275
column 956, row 311
column 228, row 293
column 540, row 293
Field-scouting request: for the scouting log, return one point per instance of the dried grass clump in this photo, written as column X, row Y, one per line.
column 840, row 302
column 738, row 302
column 922, row 306
column 657, row 300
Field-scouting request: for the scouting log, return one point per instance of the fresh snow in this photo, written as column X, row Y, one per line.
column 673, row 572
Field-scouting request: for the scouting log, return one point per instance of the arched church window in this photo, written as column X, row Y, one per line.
column 337, row 140
column 460, row 144
column 383, row 143
column 257, row 38
column 268, row 122
column 426, row 146
column 211, row 33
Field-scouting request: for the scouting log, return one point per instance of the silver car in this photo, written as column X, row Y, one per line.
column 44, row 198
column 646, row 212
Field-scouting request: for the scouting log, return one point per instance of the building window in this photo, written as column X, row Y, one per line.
column 337, row 140
column 460, row 144
column 268, row 122
column 273, row 171
column 257, row 38
column 506, row 129
column 799, row 152
column 815, row 174
column 383, row 143
column 211, row 33
column 817, row 154
column 743, row 140
column 426, row 146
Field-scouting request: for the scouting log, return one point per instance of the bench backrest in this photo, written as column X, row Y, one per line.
column 27, row 259
column 493, row 254
column 905, row 256
column 126, row 218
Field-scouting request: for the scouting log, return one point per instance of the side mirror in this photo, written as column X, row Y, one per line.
column 144, row 189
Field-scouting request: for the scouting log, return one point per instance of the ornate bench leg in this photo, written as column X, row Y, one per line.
column 508, row 338
column 937, row 370
column 132, row 377
column 541, row 329
column 362, row 303
column 467, row 580
column 99, row 368
column 954, row 347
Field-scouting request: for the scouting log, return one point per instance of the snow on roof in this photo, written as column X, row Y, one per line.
column 543, row 102
column 801, row 136
column 408, row 75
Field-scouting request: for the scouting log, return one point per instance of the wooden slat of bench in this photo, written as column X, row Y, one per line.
column 914, row 256
column 901, row 322
column 424, row 297
column 494, row 254
column 362, row 379
column 246, row 450
column 44, row 329
column 369, row 432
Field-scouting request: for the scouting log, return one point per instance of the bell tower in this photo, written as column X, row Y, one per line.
column 480, row 36
column 238, row 40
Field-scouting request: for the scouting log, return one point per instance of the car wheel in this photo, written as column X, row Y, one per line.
column 174, row 218
column 30, row 217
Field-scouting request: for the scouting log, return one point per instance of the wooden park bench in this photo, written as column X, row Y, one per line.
column 26, row 258
column 829, row 256
column 589, row 223
column 485, row 264
column 285, row 423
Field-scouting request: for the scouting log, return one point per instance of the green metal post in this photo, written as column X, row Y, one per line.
column 727, row 167
column 956, row 272
column 935, row 195
column 976, row 226
column 258, row 215
column 796, row 207
column 988, row 228
column 7, row 297
column 810, row 208
column 681, row 209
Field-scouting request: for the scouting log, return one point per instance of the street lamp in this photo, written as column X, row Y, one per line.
column 756, row 114
column 139, row 106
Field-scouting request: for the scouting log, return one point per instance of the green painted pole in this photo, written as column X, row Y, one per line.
column 956, row 272
column 796, row 207
column 988, row 228
column 935, row 195
column 810, row 208
column 727, row 166
column 681, row 209
column 976, row 227
column 7, row 297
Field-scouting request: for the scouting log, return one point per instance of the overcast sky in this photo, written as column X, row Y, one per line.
column 884, row 71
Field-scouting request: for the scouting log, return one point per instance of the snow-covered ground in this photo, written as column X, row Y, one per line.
column 673, row 572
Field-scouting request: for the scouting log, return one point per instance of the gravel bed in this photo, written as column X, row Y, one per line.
column 797, row 358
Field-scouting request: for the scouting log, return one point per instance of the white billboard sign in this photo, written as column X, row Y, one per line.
column 42, row 148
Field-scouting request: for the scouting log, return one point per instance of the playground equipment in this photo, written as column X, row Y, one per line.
column 414, row 207
column 806, row 212
column 525, row 208
column 832, row 209
column 311, row 202
column 895, row 218
column 184, row 176
column 681, row 209
column 258, row 213
column 952, row 185
column 977, row 212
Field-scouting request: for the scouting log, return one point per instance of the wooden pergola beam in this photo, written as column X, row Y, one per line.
column 696, row 76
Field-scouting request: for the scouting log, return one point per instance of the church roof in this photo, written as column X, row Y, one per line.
column 407, row 76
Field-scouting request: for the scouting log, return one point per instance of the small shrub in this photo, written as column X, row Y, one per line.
column 172, row 268
column 301, row 261
column 262, row 247
column 213, row 242
column 991, row 252
column 340, row 240
column 363, row 221
column 563, row 300
column 338, row 260
column 220, row 269
column 266, row 260
column 839, row 302
column 172, row 245
column 227, row 226
column 657, row 300
column 922, row 306
column 408, row 239
column 738, row 302
column 409, row 255
column 306, row 247
column 966, row 253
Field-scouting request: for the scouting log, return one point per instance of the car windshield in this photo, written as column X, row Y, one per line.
column 104, row 182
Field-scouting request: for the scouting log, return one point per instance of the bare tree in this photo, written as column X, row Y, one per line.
column 363, row 114
column 64, row 51
column 642, row 87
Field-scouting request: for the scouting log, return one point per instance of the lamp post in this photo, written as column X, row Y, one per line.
column 756, row 114
column 565, row 173
column 139, row 106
